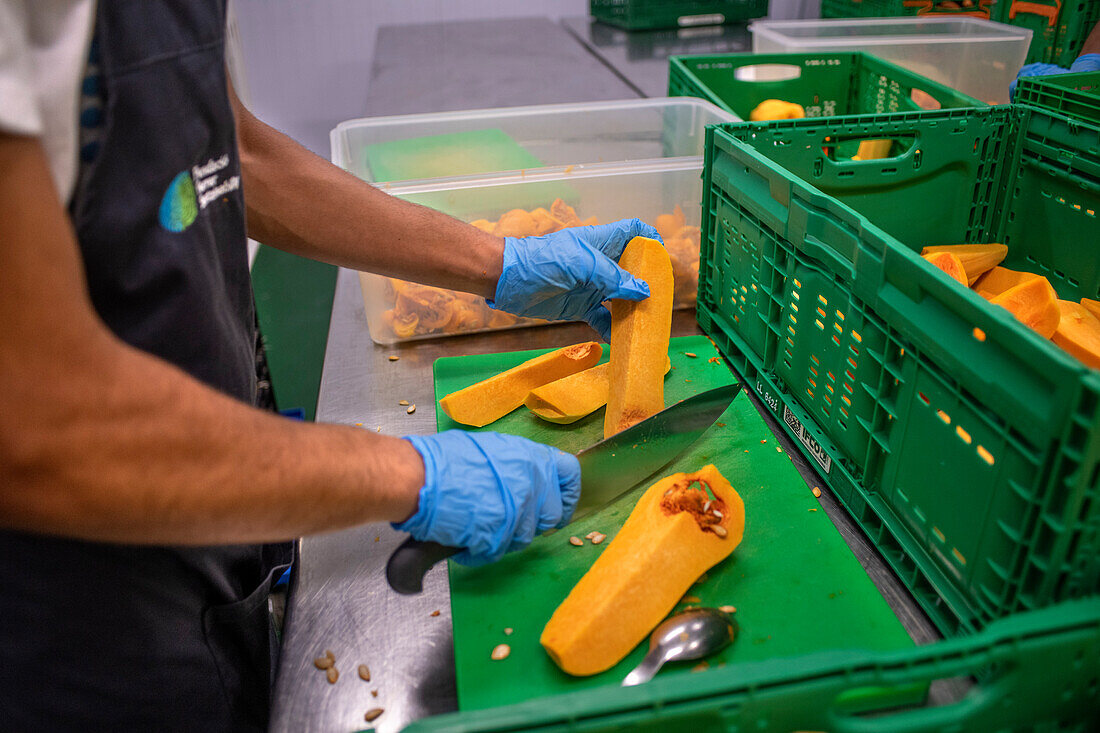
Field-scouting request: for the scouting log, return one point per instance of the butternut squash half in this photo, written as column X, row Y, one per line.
column 639, row 338
column 493, row 398
column 975, row 258
column 682, row 526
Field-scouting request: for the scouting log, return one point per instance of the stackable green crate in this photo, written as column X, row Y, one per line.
column 826, row 84
column 1073, row 95
column 1059, row 27
column 1075, row 21
column 966, row 445
column 890, row 8
column 1036, row 671
column 652, row 14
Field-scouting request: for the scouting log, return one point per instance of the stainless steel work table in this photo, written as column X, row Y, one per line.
column 339, row 598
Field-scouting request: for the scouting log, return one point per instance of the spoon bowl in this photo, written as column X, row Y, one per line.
column 691, row 634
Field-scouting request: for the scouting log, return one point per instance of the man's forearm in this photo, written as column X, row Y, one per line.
column 101, row 441
column 302, row 203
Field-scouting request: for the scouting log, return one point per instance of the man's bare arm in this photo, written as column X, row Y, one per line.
column 101, row 441
column 303, row 204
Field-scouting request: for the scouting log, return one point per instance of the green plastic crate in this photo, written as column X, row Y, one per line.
column 1057, row 36
column 1037, row 671
column 890, row 8
column 827, row 84
column 965, row 445
column 1072, row 95
column 652, row 14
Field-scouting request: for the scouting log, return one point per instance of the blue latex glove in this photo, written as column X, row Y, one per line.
column 1085, row 62
column 490, row 493
column 567, row 275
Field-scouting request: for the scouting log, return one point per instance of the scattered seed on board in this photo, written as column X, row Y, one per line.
column 364, row 673
column 333, row 674
column 591, row 534
column 690, row 354
column 508, row 631
column 374, row 693
column 358, row 424
column 411, row 410
column 600, row 537
column 379, row 428
column 434, row 613
column 817, row 491
column 323, row 662
column 405, row 402
column 719, row 530
column 690, row 599
column 394, row 357
column 814, row 509
column 501, row 651
column 372, row 714
column 330, row 655
column 728, row 609
column 576, row 541
column 700, row 667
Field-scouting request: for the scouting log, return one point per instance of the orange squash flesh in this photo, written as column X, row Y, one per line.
column 873, row 149
column 639, row 338
column 949, row 263
column 493, row 398
column 571, row 398
column 1092, row 306
column 1000, row 279
column 1078, row 332
column 975, row 258
column 661, row 550
column 1034, row 303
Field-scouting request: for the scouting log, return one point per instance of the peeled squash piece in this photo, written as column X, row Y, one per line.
column 1000, row 279
column 1092, row 306
column 639, row 339
column 493, row 398
column 1078, row 332
column 949, row 263
column 1034, row 303
column 776, row 109
column 873, row 149
column 571, row 398
column 975, row 258
column 671, row 538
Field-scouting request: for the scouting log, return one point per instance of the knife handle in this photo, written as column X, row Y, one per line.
column 411, row 561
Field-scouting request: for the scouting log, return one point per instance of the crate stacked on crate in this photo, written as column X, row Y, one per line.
column 639, row 15
column 1074, row 95
column 824, row 84
column 987, row 9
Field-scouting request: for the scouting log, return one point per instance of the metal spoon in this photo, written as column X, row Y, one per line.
column 691, row 634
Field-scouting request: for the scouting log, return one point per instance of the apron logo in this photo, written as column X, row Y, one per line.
column 194, row 190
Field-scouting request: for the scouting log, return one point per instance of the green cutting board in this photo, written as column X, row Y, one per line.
column 795, row 583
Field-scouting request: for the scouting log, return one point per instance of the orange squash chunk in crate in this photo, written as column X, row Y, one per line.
column 1078, row 332
column 949, row 263
column 1034, row 303
column 975, row 258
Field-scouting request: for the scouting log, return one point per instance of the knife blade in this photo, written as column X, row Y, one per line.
column 609, row 469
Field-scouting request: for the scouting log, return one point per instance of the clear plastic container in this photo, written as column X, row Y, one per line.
column 974, row 56
column 413, row 147
column 665, row 193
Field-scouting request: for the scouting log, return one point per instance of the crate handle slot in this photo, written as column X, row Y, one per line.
column 1050, row 12
column 870, row 147
column 767, row 72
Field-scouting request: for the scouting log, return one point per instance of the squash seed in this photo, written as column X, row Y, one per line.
column 333, row 674
column 508, row 631
column 591, row 534
column 364, row 673
column 717, row 513
column 690, row 354
column 372, row 714
column 374, row 693
column 719, row 530
column 394, row 357
column 728, row 609
column 323, row 662
column 330, row 655
column 817, row 491
column 411, row 410
column 433, row 614
column 576, row 541
column 405, row 402
column 501, row 651
column 598, row 538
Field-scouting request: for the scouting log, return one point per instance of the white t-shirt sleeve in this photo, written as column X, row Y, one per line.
column 43, row 53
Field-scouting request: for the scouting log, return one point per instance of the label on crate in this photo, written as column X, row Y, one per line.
column 823, row 459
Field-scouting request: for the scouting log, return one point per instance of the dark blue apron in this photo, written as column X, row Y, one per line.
column 109, row 637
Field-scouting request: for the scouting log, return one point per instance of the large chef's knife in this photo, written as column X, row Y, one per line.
column 609, row 469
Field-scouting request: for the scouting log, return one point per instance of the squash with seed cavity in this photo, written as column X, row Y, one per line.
column 681, row 527
column 493, row 398
column 640, row 332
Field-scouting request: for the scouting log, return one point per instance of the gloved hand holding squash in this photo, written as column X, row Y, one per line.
column 568, row 274
column 490, row 493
